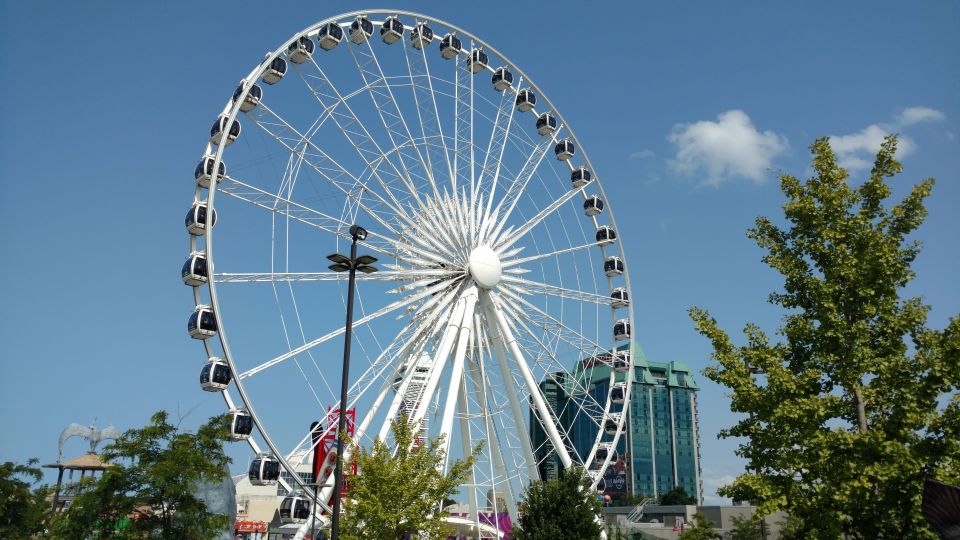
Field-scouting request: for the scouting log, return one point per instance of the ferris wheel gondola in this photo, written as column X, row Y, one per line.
column 278, row 66
column 215, row 376
column 264, row 470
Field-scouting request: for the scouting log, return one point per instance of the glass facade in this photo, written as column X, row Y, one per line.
column 662, row 438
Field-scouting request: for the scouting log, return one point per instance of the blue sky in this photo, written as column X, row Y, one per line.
column 688, row 110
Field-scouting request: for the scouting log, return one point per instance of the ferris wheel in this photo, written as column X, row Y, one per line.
column 501, row 310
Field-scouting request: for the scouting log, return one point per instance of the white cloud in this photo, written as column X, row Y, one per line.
column 728, row 148
column 646, row 153
column 857, row 151
column 711, row 482
column 916, row 115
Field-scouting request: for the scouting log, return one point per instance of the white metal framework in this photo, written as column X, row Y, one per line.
column 492, row 232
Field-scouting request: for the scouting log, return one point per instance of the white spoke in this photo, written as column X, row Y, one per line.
column 279, row 205
column 493, row 158
column 383, row 99
column 281, row 277
column 359, row 322
column 525, row 286
column 535, row 220
column 301, row 145
column 578, row 341
column 532, row 258
column 517, row 186
column 326, row 93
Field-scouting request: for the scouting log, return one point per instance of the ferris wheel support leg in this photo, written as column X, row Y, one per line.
column 543, row 410
column 413, row 355
column 533, row 473
column 440, row 360
column 456, row 374
column 465, row 441
column 479, row 382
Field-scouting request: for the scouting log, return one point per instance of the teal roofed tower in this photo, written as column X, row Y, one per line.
column 661, row 448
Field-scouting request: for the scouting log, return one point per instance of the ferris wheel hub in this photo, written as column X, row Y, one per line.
column 484, row 267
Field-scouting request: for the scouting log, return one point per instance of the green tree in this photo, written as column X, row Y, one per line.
column 745, row 528
column 857, row 404
column 395, row 494
column 23, row 508
column 154, row 474
column 792, row 528
column 702, row 529
column 562, row 509
column 677, row 496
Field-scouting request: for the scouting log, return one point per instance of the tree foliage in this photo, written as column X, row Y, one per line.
column 702, row 529
column 23, row 507
column 745, row 528
column 563, row 509
column 677, row 496
column 395, row 494
column 857, row 404
column 154, row 473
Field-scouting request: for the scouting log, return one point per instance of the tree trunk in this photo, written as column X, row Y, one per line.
column 861, row 408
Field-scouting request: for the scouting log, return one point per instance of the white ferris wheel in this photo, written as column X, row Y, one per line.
column 501, row 312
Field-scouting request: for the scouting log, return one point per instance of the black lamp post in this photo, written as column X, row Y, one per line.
column 363, row 263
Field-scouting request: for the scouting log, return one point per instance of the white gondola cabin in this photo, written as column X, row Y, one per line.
column 275, row 71
column 592, row 206
column 252, row 98
column 546, row 124
column 241, row 425
column 526, row 100
column 194, row 270
column 619, row 298
column 391, row 31
column 612, row 425
column 215, row 376
column 360, row 29
column 220, row 134
column 603, row 450
column 605, row 235
column 196, row 219
column 329, row 36
column 294, row 509
column 618, row 393
column 564, row 150
column 621, row 361
column 421, row 35
column 478, row 61
column 621, row 330
column 204, row 171
column 202, row 324
column 264, row 470
column 502, row 79
column 450, row 46
column 580, row 177
column 300, row 50
column 613, row 266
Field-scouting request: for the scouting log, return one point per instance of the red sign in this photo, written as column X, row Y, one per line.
column 247, row 526
column 327, row 444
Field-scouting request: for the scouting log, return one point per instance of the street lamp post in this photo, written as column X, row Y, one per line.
column 363, row 263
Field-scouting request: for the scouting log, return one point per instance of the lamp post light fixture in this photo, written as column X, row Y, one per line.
column 341, row 263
